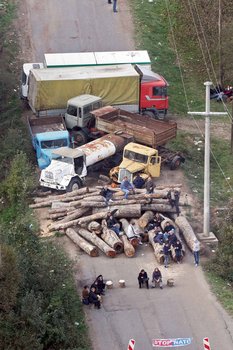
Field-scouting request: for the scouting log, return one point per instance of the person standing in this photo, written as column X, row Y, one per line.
column 149, row 185
column 85, row 295
column 115, row 6
column 196, row 251
column 178, row 251
column 94, row 298
column 166, row 253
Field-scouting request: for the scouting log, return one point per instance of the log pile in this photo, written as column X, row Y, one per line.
column 80, row 214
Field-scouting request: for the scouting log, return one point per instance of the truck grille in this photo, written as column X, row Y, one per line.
column 123, row 173
column 49, row 175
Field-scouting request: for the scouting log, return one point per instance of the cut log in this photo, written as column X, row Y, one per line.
column 162, row 187
column 104, row 247
column 59, row 197
column 94, row 199
column 97, row 216
column 111, row 238
column 60, row 210
column 186, row 230
column 95, row 227
column 145, row 218
column 128, row 211
column 158, row 249
column 161, row 208
column 57, row 215
column 128, row 247
column 82, row 243
column 125, row 224
column 69, row 220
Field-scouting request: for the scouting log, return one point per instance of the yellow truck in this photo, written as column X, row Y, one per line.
column 137, row 159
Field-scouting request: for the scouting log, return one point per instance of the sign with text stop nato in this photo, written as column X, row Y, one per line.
column 169, row 343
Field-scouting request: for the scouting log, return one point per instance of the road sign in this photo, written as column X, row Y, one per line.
column 131, row 344
column 206, row 344
column 169, row 343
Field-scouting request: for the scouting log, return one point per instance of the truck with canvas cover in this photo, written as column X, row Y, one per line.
column 69, row 169
column 135, row 89
column 82, row 59
column 47, row 134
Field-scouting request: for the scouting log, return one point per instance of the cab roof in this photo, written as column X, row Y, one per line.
column 83, row 100
column 68, row 152
column 141, row 149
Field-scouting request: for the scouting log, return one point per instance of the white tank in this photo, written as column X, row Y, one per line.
column 102, row 148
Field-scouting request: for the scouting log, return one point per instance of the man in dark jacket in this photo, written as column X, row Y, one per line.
column 138, row 182
column 94, row 298
column 107, row 194
column 112, row 223
column 166, row 253
column 178, row 250
column 149, row 185
column 157, row 278
column 143, row 278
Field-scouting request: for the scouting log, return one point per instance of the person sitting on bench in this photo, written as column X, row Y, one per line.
column 157, row 278
column 143, row 278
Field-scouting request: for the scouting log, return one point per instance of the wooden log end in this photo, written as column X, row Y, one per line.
column 118, row 247
column 111, row 253
column 94, row 253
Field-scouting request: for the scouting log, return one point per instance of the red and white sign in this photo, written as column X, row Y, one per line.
column 206, row 344
column 131, row 344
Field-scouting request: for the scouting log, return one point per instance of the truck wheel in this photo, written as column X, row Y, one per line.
column 74, row 184
column 175, row 163
column 151, row 114
column 79, row 137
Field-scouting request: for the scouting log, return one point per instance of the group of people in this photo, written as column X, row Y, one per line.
column 128, row 188
column 93, row 294
column 156, row 279
column 166, row 237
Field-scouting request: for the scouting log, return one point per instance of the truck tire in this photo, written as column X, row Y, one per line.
column 175, row 163
column 74, row 184
column 79, row 137
column 151, row 114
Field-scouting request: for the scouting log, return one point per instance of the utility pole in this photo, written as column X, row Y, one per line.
column 220, row 42
column 207, row 114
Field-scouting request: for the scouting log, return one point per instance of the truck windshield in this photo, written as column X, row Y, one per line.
column 137, row 157
column 54, row 143
column 72, row 110
column 67, row 160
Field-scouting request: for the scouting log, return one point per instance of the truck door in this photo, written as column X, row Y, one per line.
column 78, row 165
column 154, row 166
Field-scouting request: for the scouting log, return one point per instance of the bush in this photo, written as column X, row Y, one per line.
column 20, row 181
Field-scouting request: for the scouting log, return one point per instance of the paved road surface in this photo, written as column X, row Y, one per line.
column 187, row 310
column 75, row 26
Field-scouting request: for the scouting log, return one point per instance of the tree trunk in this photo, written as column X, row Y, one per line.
column 161, row 208
column 57, row 215
column 97, row 198
column 59, row 197
column 157, row 247
column 96, row 216
column 69, row 220
column 130, row 211
column 186, row 230
column 128, row 247
column 104, row 247
column 82, row 243
column 95, row 227
column 145, row 218
column 162, row 187
column 111, row 238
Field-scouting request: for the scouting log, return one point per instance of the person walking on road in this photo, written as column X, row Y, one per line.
column 115, row 6
column 196, row 251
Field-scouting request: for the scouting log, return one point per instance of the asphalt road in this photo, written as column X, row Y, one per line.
column 187, row 310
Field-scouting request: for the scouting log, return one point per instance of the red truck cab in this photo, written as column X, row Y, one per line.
column 153, row 93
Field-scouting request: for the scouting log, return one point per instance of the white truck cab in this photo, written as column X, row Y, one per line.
column 67, row 172
column 25, row 77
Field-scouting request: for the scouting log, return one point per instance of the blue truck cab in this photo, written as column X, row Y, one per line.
column 47, row 134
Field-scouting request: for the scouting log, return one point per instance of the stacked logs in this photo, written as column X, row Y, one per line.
column 81, row 213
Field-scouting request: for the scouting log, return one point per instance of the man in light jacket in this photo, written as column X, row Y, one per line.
column 196, row 251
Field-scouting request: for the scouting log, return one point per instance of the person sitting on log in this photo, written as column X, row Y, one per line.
column 172, row 239
column 127, row 187
column 132, row 232
column 174, row 197
column 178, row 251
column 113, row 224
column 143, row 278
column 138, row 181
column 168, row 227
column 107, row 194
column 159, row 238
column 149, row 185
column 85, row 295
column 100, row 284
column 155, row 222
column 94, row 298
column 157, row 278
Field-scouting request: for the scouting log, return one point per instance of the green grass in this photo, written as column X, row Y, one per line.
column 154, row 33
column 222, row 290
column 221, row 180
